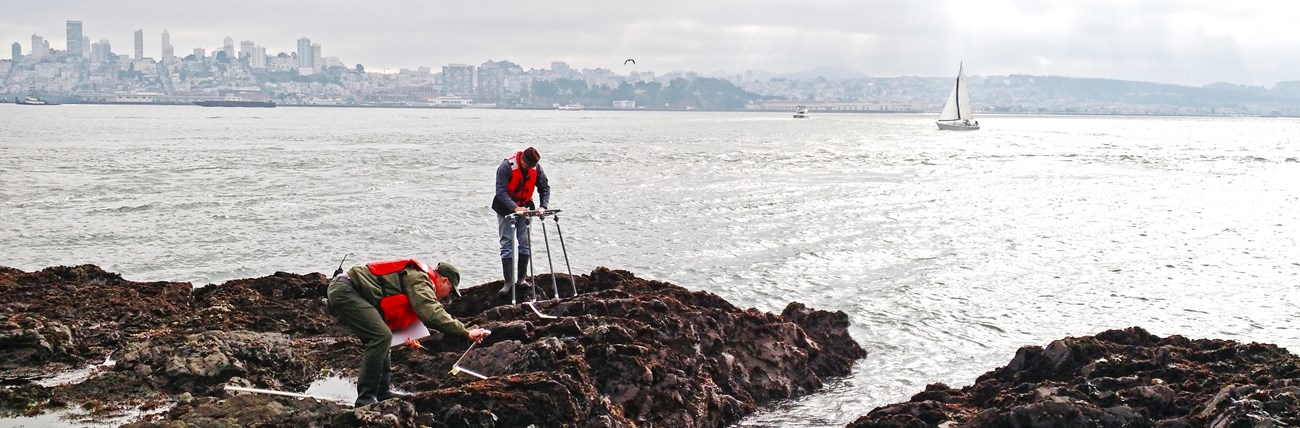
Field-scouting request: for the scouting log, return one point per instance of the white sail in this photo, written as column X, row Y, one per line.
column 957, row 111
column 950, row 110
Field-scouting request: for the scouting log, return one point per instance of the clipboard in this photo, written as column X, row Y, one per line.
column 416, row 331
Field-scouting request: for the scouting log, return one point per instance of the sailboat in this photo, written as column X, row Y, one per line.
column 957, row 115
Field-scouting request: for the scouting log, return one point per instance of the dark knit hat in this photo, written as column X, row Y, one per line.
column 446, row 270
column 531, row 156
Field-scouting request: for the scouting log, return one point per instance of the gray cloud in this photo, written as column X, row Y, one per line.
column 1175, row 41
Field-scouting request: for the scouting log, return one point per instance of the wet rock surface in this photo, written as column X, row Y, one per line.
column 624, row 352
column 1117, row 378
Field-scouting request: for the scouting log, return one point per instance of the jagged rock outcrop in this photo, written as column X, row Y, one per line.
column 1117, row 378
column 624, row 352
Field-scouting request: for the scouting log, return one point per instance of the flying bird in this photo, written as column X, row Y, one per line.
column 633, row 61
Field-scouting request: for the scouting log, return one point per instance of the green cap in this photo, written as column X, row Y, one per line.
column 446, row 270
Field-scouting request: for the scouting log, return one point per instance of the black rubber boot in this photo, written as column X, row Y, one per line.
column 508, row 274
column 385, row 388
column 523, row 270
column 367, row 393
column 523, row 288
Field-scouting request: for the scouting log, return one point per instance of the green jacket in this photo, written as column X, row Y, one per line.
column 416, row 286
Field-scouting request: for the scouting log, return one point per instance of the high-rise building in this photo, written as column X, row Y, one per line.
column 17, row 51
column 316, row 60
column 458, row 80
column 75, row 48
column 228, row 46
column 40, row 47
column 305, row 53
column 246, row 49
column 168, row 53
column 489, row 83
column 561, row 68
column 139, row 44
column 101, row 51
column 257, row 59
column 85, row 47
column 200, row 54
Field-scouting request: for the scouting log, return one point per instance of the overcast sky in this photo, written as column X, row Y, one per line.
column 1192, row 42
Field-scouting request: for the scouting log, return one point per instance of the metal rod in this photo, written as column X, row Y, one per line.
column 514, row 257
column 459, row 369
column 281, row 393
column 462, row 356
column 533, row 306
column 547, row 240
column 456, row 368
column 560, row 232
column 532, row 273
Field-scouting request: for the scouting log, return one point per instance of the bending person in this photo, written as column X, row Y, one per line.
column 381, row 297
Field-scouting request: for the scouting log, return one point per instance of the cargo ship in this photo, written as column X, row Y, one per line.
column 232, row 103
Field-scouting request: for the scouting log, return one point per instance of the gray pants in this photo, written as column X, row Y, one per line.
column 516, row 228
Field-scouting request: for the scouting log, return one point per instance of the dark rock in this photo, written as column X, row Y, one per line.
column 625, row 352
column 28, row 340
column 1118, row 378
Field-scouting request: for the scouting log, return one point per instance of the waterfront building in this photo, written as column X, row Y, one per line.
column 458, row 80
column 139, row 44
column 489, row 85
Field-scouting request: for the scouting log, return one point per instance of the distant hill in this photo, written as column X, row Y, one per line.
column 828, row 73
column 1046, row 94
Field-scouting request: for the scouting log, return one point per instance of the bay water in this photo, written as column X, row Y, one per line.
column 948, row 250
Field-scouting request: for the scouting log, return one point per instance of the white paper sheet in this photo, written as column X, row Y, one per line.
column 416, row 331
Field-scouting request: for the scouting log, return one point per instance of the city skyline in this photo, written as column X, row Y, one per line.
column 1182, row 42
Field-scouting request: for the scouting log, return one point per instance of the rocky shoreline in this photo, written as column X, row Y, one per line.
column 625, row 352
column 1117, row 378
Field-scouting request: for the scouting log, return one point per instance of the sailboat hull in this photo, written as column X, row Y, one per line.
column 957, row 126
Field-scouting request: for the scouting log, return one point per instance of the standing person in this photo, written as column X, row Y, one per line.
column 517, row 176
column 381, row 297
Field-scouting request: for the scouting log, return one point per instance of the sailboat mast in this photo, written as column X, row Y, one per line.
column 957, row 90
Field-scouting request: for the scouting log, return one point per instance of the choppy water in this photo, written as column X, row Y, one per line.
column 948, row 250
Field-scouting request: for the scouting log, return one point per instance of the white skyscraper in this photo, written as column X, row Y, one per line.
column 168, row 54
column 246, row 49
column 305, row 56
column 40, row 47
column 228, row 46
column 139, row 44
column 316, row 60
column 257, row 59
column 101, row 51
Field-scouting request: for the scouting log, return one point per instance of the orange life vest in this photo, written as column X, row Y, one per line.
column 397, row 309
column 522, row 181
